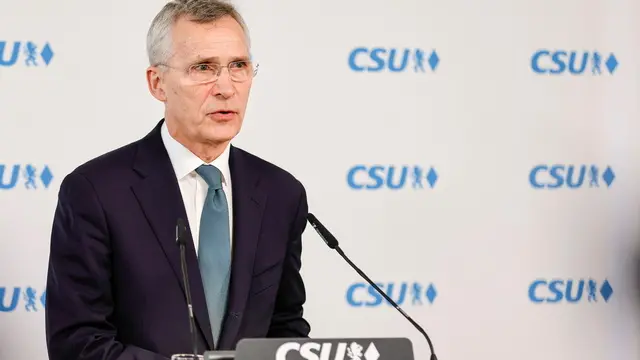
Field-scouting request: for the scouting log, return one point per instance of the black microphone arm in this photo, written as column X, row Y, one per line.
column 332, row 242
column 181, row 230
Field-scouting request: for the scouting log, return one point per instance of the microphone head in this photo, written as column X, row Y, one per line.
column 312, row 219
column 181, row 230
column 328, row 238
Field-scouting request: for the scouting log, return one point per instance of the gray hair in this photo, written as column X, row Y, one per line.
column 159, row 43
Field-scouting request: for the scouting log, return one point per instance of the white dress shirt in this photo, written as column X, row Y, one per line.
column 192, row 186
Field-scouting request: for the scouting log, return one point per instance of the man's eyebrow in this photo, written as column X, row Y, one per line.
column 216, row 59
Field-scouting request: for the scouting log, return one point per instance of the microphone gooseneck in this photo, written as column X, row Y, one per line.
column 181, row 240
column 332, row 242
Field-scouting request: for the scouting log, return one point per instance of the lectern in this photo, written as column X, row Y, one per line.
column 315, row 349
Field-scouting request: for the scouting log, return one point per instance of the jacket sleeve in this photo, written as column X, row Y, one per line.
column 79, row 302
column 287, row 319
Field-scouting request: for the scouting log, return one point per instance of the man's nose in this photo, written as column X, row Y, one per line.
column 224, row 86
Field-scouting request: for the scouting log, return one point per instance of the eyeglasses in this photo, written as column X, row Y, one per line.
column 239, row 71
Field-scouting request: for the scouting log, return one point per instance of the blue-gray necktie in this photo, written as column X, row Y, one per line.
column 214, row 249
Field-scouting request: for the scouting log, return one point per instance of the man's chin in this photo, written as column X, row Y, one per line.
column 220, row 135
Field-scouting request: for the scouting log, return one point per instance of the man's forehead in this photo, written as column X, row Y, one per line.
column 199, row 48
column 220, row 31
column 224, row 38
column 217, row 43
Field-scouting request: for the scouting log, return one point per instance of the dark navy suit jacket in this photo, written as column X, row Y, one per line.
column 114, row 285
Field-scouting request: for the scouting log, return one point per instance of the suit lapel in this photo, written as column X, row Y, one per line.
column 248, row 206
column 161, row 201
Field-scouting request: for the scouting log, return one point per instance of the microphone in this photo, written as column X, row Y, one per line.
column 332, row 242
column 181, row 230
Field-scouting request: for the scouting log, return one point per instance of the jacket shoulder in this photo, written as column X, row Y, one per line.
column 273, row 173
column 111, row 163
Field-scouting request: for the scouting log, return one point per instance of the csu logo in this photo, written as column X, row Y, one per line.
column 31, row 53
column 365, row 295
column 570, row 176
column 574, row 62
column 361, row 177
column 571, row 291
column 27, row 174
column 326, row 351
column 380, row 59
column 31, row 300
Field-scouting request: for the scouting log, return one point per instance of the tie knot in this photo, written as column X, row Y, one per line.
column 211, row 175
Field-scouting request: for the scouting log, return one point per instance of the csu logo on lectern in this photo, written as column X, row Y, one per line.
column 409, row 293
column 374, row 177
column 27, row 53
column 326, row 351
column 569, row 290
column 27, row 175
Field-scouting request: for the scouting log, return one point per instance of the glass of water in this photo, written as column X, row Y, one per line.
column 186, row 357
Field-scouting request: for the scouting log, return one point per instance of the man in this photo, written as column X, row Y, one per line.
column 114, row 288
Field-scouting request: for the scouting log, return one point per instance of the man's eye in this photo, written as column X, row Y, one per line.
column 239, row 64
column 202, row 67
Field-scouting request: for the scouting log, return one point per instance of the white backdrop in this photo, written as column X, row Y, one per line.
column 483, row 119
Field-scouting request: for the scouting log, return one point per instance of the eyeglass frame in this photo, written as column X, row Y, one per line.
column 217, row 76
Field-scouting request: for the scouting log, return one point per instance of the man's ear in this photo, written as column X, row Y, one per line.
column 155, row 83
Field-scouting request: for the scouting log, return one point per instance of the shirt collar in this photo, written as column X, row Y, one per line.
column 184, row 162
